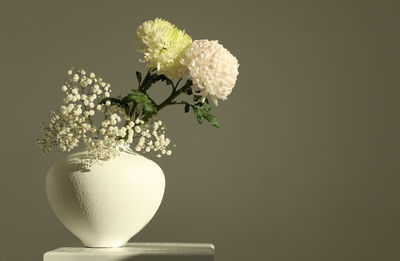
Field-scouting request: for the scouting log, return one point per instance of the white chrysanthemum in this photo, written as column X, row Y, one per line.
column 162, row 45
column 213, row 68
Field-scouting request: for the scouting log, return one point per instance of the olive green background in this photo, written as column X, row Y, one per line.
column 305, row 165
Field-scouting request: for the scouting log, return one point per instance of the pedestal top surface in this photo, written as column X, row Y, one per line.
column 135, row 251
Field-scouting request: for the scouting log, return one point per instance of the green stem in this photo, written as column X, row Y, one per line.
column 168, row 101
column 132, row 109
column 177, row 103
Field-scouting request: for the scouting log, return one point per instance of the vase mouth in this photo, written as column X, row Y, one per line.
column 124, row 147
column 127, row 149
column 83, row 151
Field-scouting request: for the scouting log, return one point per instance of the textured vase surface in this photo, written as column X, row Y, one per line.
column 107, row 204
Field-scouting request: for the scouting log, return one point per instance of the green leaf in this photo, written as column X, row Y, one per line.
column 204, row 107
column 199, row 118
column 201, row 111
column 139, row 77
column 148, row 107
column 140, row 98
column 187, row 107
column 136, row 97
column 211, row 119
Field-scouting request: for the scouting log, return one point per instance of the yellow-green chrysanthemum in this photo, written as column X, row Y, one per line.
column 162, row 45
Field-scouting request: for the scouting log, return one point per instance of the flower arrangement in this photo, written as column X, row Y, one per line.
column 103, row 124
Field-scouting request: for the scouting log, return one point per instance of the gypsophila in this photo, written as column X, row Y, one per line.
column 75, row 123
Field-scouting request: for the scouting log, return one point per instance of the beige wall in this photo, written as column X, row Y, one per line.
column 305, row 165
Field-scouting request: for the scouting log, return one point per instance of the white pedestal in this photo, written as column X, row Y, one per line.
column 135, row 252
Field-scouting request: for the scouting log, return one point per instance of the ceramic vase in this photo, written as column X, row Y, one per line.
column 108, row 203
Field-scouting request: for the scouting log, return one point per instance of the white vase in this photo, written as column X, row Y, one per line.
column 107, row 204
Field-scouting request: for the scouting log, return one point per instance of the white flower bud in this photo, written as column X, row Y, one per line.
column 75, row 78
column 83, row 83
column 78, row 112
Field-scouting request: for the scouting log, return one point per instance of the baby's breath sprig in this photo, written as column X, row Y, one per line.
column 87, row 95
